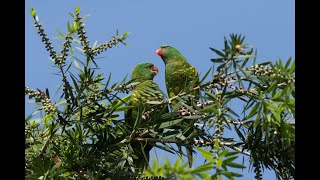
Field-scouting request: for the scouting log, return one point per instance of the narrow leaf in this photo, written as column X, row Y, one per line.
column 218, row 52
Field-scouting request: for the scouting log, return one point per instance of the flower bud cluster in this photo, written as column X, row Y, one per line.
column 45, row 39
column 41, row 97
column 103, row 47
column 82, row 34
column 261, row 70
column 59, row 61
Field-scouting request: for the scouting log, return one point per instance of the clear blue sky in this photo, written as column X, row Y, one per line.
column 189, row 26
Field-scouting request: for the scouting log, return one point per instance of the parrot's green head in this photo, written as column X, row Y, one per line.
column 144, row 71
column 168, row 53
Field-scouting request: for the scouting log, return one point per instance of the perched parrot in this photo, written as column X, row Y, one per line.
column 180, row 77
column 146, row 90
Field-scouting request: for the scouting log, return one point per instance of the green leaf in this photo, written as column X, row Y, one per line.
column 244, row 56
column 292, row 68
column 236, row 174
column 202, row 168
column 278, row 95
column 271, row 107
column 80, row 49
column 210, row 109
column 240, row 135
column 170, row 123
column 47, row 119
column 212, row 96
column 77, row 66
column 223, row 153
column 253, row 110
column 71, row 15
column 277, row 116
column 165, row 148
column 219, row 163
column 265, row 63
column 154, row 102
column 67, row 174
column 221, row 66
column 247, row 59
column 69, row 26
column 288, row 63
column 216, row 144
column 181, row 136
column 75, row 26
column 125, row 34
column 75, row 84
column 33, row 12
column 231, row 153
column 192, row 117
column 54, row 168
column 272, row 88
column 169, row 115
column 218, row 52
column 47, row 93
column 232, row 112
column 77, row 9
column 227, row 174
column 257, row 121
column 94, row 45
column 207, row 178
column 206, row 154
column 94, row 62
column 230, row 159
column 124, row 108
column 119, row 102
column 217, row 60
column 60, row 33
column 205, row 76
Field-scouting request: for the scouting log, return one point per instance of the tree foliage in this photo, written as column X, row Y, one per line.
column 82, row 134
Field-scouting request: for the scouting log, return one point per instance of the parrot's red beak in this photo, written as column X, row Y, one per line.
column 160, row 52
column 155, row 70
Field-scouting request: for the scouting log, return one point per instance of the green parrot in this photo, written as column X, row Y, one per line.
column 146, row 90
column 180, row 77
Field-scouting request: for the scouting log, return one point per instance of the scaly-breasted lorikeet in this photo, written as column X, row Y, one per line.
column 146, row 90
column 180, row 77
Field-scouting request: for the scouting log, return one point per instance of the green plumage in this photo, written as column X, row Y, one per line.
column 180, row 77
column 146, row 90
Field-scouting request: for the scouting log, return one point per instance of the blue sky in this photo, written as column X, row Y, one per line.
column 189, row 26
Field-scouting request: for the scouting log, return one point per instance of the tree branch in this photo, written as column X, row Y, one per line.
column 194, row 142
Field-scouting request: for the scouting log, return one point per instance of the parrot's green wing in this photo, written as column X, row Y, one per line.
column 146, row 91
column 181, row 77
